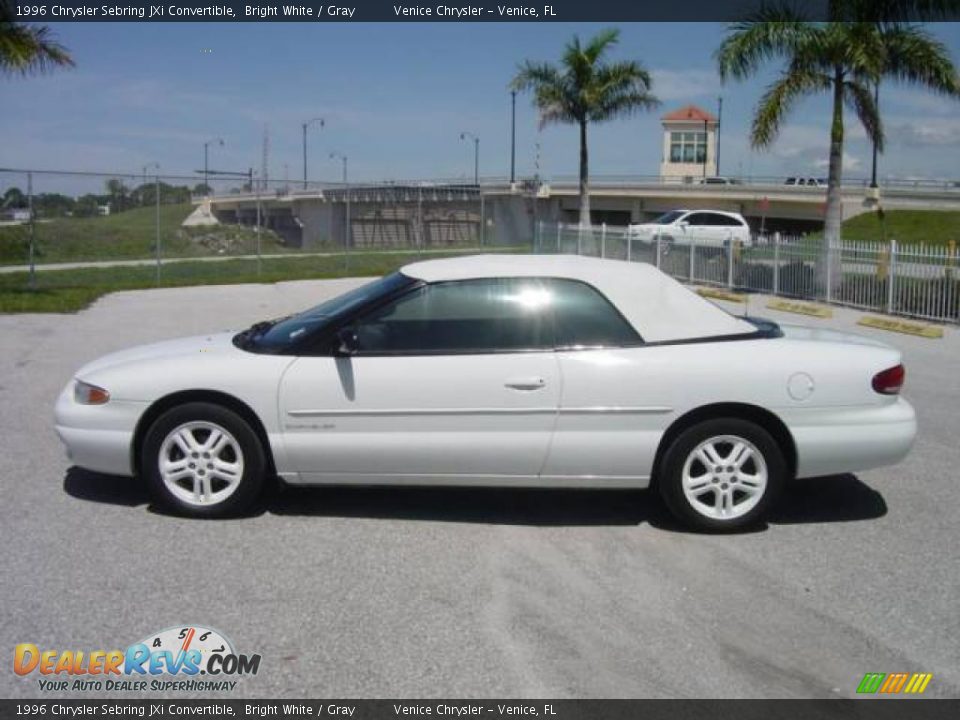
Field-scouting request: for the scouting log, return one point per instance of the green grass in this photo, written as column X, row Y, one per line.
column 129, row 235
column 62, row 291
column 932, row 227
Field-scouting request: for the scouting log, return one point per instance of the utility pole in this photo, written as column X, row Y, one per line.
column 305, row 126
column 206, row 162
column 346, row 187
column 513, row 136
column 156, row 192
column 706, row 144
column 476, row 155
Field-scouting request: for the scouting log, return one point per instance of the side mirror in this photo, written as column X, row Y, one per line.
column 683, row 223
column 347, row 341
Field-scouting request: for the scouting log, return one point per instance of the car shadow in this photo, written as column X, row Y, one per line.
column 835, row 498
column 109, row 489
column 838, row 498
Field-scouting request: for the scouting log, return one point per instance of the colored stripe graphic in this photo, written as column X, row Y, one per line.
column 871, row 682
column 893, row 683
column 918, row 683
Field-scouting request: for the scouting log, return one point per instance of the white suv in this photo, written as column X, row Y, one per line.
column 715, row 228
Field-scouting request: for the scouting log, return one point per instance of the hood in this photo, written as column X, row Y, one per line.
column 180, row 347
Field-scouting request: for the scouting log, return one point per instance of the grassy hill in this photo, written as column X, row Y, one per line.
column 127, row 235
column 933, row 227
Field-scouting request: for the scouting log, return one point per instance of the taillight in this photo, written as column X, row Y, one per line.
column 889, row 381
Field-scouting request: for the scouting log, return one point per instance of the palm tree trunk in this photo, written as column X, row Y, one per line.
column 584, row 174
column 834, row 211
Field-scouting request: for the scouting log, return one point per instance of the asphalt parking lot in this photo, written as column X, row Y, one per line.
column 477, row 593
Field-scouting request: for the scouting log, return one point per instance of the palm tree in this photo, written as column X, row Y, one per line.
column 845, row 57
column 585, row 89
column 25, row 49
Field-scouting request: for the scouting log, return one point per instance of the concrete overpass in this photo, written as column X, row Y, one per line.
column 439, row 214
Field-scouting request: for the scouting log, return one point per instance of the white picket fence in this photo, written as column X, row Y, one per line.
column 921, row 281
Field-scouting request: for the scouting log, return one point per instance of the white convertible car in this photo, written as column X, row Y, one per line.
column 498, row 371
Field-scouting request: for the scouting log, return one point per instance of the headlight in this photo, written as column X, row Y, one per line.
column 87, row 394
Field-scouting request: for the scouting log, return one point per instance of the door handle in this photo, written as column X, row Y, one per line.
column 525, row 383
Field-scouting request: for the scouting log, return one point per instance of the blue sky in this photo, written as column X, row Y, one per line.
column 396, row 97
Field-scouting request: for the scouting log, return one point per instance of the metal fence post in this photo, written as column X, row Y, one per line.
column 579, row 239
column 732, row 247
column 559, row 228
column 33, row 269
column 483, row 220
column 603, row 240
column 891, row 276
column 259, row 259
column 776, row 263
column 693, row 253
column 658, row 249
column 156, row 191
column 629, row 246
column 828, row 292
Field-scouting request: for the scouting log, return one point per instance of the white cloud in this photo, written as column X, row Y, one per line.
column 679, row 85
column 924, row 133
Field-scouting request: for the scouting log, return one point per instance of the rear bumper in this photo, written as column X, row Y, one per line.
column 97, row 437
column 830, row 441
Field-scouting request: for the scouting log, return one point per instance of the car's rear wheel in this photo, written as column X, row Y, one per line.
column 722, row 474
column 203, row 460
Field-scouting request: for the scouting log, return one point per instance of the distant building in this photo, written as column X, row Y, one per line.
column 103, row 209
column 689, row 145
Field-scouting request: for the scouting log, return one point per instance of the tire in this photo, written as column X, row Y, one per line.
column 709, row 484
column 214, row 462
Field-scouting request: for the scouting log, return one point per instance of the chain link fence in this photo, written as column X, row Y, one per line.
column 918, row 281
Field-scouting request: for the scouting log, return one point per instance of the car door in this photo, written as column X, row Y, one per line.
column 701, row 229
column 454, row 382
column 612, row 409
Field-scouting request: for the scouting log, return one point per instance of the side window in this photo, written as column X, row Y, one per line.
column 467, row 316
column 725, row 221
column 585, row 318
column 698, row 219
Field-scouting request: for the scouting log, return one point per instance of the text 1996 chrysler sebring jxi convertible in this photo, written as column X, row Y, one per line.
column 496, row 370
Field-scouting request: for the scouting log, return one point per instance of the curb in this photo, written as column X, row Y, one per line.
column 901, row 326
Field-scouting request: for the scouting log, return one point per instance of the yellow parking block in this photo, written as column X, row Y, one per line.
column 717, row 294
column 800, row 308
column 901, row 326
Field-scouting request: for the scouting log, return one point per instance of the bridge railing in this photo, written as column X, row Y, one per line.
column 914, row 280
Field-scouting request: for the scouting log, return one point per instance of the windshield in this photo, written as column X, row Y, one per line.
column 276, row 335
column 668, row 218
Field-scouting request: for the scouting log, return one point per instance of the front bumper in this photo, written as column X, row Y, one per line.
column 831, row 441
column 98, row 437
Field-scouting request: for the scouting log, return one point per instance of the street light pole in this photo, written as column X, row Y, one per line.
column 305, row 126
column 346, row 187
column 876, row 103
column 476, row 155
column 206, row 164
column 717, row 135
column 513, row 136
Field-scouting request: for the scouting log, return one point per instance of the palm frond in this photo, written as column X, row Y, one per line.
column 773, row 31
column 778, row 99
column 28, row 48
column 914, row 57
column 859, row 98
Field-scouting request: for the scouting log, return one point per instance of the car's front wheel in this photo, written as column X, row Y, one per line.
column 202, row 460
column 722, row 474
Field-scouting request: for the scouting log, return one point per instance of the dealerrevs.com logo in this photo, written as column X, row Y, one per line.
column 184, row 658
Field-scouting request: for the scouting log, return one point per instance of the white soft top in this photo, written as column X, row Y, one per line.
column 660, row 308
